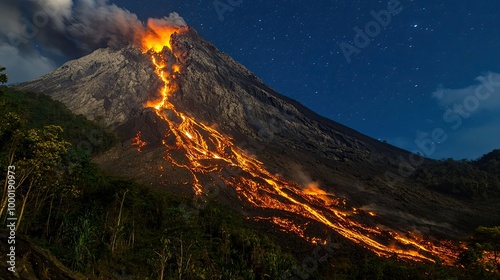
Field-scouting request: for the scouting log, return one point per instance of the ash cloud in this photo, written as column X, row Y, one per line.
column 53, row 31
column 173, row 19
column 97, row 24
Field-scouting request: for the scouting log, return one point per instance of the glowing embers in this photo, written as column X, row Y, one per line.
column 137, row 141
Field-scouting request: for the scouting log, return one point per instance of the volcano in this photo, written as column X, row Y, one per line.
column 193, row 121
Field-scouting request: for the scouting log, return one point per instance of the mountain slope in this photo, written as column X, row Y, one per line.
column 108, row 84
column 225, row 244
column 217, row 89
column 289, row 139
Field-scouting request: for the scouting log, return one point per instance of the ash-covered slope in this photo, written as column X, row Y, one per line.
column 287, row 137
column 110, row 84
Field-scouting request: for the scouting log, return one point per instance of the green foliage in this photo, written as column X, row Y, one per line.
column 490, row 162
column 472, row 256
column 40, row 149
column 3, row 76
column 488, row 243
column 9, row 128
column 481, row 258
column 39, row 110
column 36, row 153
column 42, row 137
column 83, row 237
column 477, row 179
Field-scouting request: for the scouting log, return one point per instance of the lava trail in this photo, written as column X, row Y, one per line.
column 205, row 152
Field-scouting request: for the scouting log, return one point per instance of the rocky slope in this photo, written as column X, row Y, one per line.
column 108, row 84
column 290, row 139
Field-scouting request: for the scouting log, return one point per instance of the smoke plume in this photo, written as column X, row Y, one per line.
column 56, row 30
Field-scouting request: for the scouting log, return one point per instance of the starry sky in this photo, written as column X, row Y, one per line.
column 421, row 75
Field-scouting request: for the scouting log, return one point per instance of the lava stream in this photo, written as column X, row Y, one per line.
column 207, row 152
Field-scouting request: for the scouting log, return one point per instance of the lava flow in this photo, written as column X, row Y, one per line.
column 137, row 141
column 204, row 152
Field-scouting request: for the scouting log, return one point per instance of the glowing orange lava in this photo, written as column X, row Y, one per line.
column 137, row 141
column 158, row 37
column 313, row 190
column 207, row 152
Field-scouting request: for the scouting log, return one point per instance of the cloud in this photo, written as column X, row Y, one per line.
column 483, row 95
column 469, row 121
column 24, row 67
column 52, row 31
column 470, row 118
column 9, row 18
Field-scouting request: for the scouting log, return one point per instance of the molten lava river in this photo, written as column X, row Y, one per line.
column 206, row 151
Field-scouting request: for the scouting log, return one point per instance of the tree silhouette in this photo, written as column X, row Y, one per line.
column 3, row 76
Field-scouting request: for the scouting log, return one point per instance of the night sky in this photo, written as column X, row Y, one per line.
column 429, row 81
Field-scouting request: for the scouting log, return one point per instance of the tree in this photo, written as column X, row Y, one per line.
column 471, row 257
column 119, row 227
column 483, row 250
column 164, row 254
column 489, row 238
column 10, row 133
column 183, row 257
column 3, row 76
column 38, row 152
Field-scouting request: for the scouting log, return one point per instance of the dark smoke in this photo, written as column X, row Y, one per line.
column 55, row 30
column 98, row 24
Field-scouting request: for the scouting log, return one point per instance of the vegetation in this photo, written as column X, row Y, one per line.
column 34, row 110
column 477, row 179
column 483, row 250
column 106, row 227
column 3, row 76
